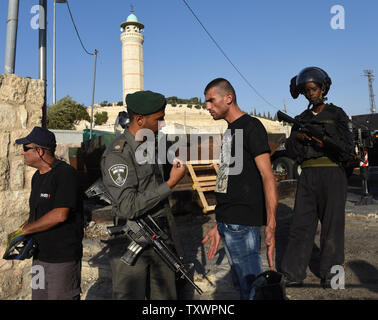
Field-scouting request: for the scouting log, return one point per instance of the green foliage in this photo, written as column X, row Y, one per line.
column 265, row 116
column 105, row 103
column 175, row 100
column 172, row 100
column 101, row 118
column 65, row 113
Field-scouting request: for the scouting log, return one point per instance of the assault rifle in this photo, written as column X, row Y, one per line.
column 142, row 232
column 98, row 189
column 315, row 130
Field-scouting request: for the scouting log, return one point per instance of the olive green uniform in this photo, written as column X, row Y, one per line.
column 137, row 189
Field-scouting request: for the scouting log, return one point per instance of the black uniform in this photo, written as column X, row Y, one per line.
column 321, row 195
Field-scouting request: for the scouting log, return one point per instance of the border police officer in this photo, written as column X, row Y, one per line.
column 138, row 188
column 322, row 186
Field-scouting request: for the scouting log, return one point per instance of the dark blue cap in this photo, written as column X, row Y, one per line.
column 41, row 137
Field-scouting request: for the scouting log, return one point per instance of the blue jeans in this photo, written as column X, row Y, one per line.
column 242, row 245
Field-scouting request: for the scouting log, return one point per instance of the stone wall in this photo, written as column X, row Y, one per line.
column 21, row 101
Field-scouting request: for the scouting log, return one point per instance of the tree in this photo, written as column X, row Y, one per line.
column 193, row 100
column 101, row 118
column 172, row 100
column 65, row 113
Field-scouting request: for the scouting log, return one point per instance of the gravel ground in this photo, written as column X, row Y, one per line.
column 213, row 276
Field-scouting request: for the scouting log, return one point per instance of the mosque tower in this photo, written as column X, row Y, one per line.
column 132, row 55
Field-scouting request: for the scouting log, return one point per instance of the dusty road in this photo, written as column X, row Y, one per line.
column 361, row 251
column 213, row 276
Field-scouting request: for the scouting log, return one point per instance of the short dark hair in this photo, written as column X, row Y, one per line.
column 131, row 114
column 222, row 84
column 49, row 151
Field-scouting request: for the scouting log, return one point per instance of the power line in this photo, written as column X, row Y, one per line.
column 95, row 63
column 77, row 32
column 225, row 55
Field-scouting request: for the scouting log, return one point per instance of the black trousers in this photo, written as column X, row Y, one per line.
column 321, row 196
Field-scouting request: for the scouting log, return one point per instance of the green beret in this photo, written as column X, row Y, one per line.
column 145, row 102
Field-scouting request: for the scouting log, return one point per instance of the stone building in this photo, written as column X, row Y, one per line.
column 21, row 101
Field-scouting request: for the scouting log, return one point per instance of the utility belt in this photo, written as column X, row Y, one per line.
column 319, row 162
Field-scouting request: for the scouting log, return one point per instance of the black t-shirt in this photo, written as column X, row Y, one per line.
column 240, row 197
column 58, row 188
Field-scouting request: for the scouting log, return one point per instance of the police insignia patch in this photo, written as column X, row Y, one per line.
column 118, row 173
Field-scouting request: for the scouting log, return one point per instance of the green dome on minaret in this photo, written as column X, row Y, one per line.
column 132, row 20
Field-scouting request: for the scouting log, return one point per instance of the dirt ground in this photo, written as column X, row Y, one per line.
column 361, row 249
column 214, row 278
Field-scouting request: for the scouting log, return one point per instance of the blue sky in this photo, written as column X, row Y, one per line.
column 269, row 41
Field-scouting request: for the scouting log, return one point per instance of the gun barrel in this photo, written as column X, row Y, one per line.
column 176, row 265
column 286, row 118
column 197, row 288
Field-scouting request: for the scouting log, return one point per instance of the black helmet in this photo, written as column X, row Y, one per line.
column 313, row 74
column 21, row 248
column 270, row 285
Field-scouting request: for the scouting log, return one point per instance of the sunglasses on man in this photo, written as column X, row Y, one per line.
column 28, row 148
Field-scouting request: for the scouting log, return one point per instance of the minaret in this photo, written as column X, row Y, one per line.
column 132, row 55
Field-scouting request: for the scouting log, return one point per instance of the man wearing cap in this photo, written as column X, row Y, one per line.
column 138, row 188
column 55, row 219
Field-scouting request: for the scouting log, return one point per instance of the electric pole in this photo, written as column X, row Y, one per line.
column 11, row 38
column 370, row 76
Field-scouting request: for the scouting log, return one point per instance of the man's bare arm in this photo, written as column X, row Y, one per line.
column 47, row 221
column 271, row 202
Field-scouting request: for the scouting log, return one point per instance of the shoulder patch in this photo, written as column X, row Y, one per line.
column 118, row 174
column 118, row 147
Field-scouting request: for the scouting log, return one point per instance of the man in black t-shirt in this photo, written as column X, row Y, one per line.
column 55, row 221
column 245, row 190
